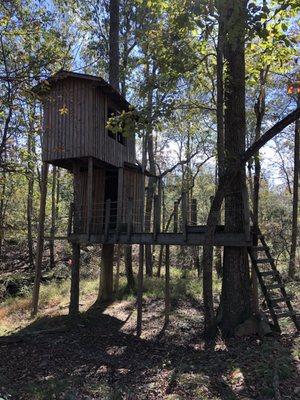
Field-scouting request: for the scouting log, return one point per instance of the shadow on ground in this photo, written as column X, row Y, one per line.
column 93, row 358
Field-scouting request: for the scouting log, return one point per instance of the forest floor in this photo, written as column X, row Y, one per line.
column 98, row 355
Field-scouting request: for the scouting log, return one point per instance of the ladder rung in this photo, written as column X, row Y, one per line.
column 268, row 273
column 275, row 286
column 264, row 260
column 279, row 299
column 286, row 314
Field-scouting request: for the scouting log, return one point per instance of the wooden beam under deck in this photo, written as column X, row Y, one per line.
column 167, row 238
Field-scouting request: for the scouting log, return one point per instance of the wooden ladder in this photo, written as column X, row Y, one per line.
column 271, row 283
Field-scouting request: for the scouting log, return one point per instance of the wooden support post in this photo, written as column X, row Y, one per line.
column 167, row 287
column 120, row 200
column 140, row 291
column 118, row 268
column 107, row 218
column 156, row 216
column 106, row 274
column 175, row 216
column 70, row 219
column 90, row 197
column 40, row 240
column 74, row 294
column 77, row 218
column 184, row 216
column 53, row 217
column 129, row 218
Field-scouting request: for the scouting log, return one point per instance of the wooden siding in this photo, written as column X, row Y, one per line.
column 75, row 113
column 132, row 191
column 80, row 181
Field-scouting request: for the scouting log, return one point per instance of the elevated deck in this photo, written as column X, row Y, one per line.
column 109, row 224
column 194, row 236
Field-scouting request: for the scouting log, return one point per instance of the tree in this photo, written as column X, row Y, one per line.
column 292, row 262
column 235, row 297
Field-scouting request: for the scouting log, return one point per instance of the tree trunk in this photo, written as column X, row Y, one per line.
column 106, row 274
column 75, row 274
column 220, row 125
column 235, row 297
column 114, row 53
column 210, row 327
column 152, row 168
column 2, row 210
column 292, row 263
column 128, row 267
column 30, row 167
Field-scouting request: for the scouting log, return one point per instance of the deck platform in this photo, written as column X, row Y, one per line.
column 194, row 236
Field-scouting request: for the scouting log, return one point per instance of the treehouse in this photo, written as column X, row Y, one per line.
column 107, row 180
column 109, row 187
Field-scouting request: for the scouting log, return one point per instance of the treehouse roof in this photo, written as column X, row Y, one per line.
column 116, row 96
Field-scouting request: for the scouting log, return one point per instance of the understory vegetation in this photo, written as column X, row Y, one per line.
column 99, row 356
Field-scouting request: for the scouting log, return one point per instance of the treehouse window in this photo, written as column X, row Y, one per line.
column 119, row 136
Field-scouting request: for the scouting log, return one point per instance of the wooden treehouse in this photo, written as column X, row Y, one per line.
column 109, row 185
column 109, row 189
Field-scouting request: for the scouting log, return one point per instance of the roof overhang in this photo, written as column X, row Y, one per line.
column 43, row 87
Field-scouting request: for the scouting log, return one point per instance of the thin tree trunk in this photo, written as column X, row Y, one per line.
column 30, row 167
column 210, row 326
column 106, row 273
column 292, row 263
column 152, row 168
column 114, row 53
column 75, row 276
column 2, row 211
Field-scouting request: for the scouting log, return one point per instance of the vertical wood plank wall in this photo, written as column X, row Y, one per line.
column 132, row 191
column 98, row 199
column 75, row 113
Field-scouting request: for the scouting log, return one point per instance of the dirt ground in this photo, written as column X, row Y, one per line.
column 98, row 357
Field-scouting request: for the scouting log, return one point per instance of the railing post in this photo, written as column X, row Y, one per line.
column 129, row 218
column 107, row 218
column 184, row 216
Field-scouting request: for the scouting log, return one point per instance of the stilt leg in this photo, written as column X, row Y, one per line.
column 74, row 298
column 106, row 273
column 117, row 279
column 140, row 291
column 40, row 241
column 167, row 286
